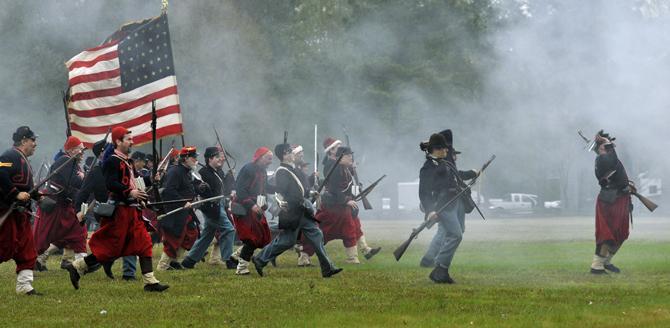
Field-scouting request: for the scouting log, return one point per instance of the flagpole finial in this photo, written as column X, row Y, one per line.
column 164, row 5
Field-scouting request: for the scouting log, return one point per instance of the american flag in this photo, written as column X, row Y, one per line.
column 114, row 84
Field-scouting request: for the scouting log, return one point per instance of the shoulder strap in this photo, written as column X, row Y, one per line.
column 297, row 180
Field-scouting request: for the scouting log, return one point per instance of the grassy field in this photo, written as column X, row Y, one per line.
column 500, row 284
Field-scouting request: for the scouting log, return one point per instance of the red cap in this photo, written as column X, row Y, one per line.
column 118, row 133
column 71, row 143
column 188, row 151
column 260, row 152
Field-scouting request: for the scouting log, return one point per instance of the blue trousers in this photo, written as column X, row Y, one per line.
column 287, row 238
column 450, row 229
column 129, row 265
column 226, row 238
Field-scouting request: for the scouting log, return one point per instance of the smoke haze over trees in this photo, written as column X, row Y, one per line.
column 511, row 77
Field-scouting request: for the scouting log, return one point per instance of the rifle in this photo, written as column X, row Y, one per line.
column 651, row 206
column 368, row 190
column 429, row 223
column 169, row 202
column 354, row 173
column 211, row 199
column 231, row 169
column 14, row 205
column 330, row 173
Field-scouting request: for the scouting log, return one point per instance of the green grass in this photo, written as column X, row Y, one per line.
column 499, row 284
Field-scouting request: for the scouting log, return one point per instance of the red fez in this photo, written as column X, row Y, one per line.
column 188, row 151
column 260, row 152
column 118, row 133
column 71, row 143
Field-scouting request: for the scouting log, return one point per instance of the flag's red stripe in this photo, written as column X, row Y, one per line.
column 96, row 94
column 95, row 77
column 160, row 133
column 146, row 137
column 89, row 63
column 125, row 106
column 103, row 46
column 127, row 124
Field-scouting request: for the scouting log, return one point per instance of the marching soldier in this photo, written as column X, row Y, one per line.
column 249, row 207
column 123, row 232
column 338, row 209
column 16, row 237
column 180, row 230
column 613, row 205
column 428, row 260
column 216, row 217
column 437, row 186
column 58, row 227
column 296, row 216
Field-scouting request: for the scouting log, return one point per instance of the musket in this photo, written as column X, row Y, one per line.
column 330, row 173
column 169, row 202
column 368, row 190
column 225, row 152
column 211, row 199
column 366, row 202
column 428, row 223
column 14, row 205
column 285, row 136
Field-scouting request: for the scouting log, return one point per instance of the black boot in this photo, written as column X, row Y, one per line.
column 64, row 263
column 33, row 292
column 188, row 263
column 107, row 267
column 174, row 265
column 598, row 271
column 440, row 275
column 74, row 275
column 612, row 268
column 331, row 271
column 40, row 267
column 93, row 268
column 258, row 264
column 157, row 287
column 372, row 252
column 231, row 264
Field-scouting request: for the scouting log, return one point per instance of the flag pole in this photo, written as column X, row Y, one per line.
column 66, row 99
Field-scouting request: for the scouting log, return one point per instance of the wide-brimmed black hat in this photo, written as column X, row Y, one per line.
column 436, row 141
column 448, row 136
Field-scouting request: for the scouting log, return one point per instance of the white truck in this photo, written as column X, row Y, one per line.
column 514, row 203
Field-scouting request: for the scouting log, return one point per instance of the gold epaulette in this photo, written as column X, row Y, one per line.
column 8, row 164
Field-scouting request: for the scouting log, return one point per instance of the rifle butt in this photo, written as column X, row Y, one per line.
column 651, row 206
column 398, row 253
column 366, row 203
